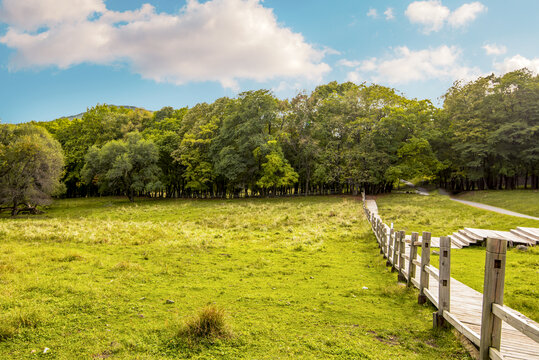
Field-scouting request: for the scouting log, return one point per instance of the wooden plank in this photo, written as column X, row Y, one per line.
column 491, row 326
column 396, row 243
column 402, row 249
column 525, row 236
column 431, row 297
column 411, row 258
column 468, row 238
column 534, row 232
column 462, row 328
column 425, row 261
column 444, row 281
column 526, row 326
column 390, row 247
column 495, row 354
column 432, row 271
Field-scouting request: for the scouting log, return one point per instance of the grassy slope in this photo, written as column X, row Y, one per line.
column 521, row 201
column 91, row 278
column 442, row 216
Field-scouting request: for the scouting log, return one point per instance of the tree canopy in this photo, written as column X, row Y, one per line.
column 339, row 138
column 31, row 164
column 127, row 166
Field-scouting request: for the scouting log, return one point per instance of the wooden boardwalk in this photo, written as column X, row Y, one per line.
column 466, row 307
column 463, row 307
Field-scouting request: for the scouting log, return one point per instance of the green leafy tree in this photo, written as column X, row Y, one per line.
column 31, row 164
column 128, row 166
column 250, row 122
column 276, row 170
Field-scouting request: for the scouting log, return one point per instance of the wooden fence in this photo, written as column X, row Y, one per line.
column 477, row 316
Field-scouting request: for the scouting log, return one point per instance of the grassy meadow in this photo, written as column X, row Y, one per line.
column 441, row 216
column 521, row 201
column 296, row 278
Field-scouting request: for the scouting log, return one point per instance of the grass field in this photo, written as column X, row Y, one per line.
column 297, row 278
column 521, row 201
column 441, row 216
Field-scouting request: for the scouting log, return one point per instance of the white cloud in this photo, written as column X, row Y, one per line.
column 348, row 63
column 389, row 13
column 354, row 77
column 32, row 14
column 406, row 66
column 218, row 40
column 372, row 13
column 517, row 62
column 432, row 15
column 493, row 49
column 466, row 14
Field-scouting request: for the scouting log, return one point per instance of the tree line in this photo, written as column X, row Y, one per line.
column 340, row 138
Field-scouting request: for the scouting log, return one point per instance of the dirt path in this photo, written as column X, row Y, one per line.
column 488, row 207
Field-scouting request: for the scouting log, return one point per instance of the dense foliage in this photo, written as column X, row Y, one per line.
column 31, row 163
column 338, row 139
column 127, row 166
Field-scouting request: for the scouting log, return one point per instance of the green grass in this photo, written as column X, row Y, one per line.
column 441, row 216
column 91, row 278
column 521, row 201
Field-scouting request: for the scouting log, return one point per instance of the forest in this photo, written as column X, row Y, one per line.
column 339, row 139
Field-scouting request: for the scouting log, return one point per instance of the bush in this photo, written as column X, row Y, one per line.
column 209, row 323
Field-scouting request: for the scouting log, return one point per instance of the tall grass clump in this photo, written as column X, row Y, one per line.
column 12, row 323
column 208, row 324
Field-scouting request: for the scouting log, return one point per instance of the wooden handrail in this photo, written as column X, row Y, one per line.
column 432, row 271
column 393, row 245
column 520, row 322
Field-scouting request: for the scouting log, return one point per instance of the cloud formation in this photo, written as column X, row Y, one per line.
column 432, row 15
column 405, row 66
column 493, row 49
column 517, row 62
column 389, row 13
column 218, row 40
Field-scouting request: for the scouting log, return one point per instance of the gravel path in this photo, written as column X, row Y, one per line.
column 494, row 208
column 488, row 207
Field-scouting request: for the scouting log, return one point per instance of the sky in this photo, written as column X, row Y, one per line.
column 59, row 57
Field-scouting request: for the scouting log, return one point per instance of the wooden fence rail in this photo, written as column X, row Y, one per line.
column 498, row 331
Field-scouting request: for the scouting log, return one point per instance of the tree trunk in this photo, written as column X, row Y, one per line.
column 131, row 195
column 15, row 209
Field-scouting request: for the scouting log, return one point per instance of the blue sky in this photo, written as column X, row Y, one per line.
column 58, row 57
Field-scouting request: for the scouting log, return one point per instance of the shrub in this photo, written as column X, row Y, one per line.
column 209, row 323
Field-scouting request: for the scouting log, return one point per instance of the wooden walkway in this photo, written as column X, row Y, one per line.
column 463, row 308
column 466, row 307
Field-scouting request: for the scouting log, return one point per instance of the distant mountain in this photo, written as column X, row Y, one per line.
column 79, row 116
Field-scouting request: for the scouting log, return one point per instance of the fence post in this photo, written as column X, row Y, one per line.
column 413, row 256
column 491, row 326
column 396, row 245
column 386, row 241
column 378, row 233
column 402, row 250
column 425, row 261
column 383, row 237
column 444, row 283
column 390, row 241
